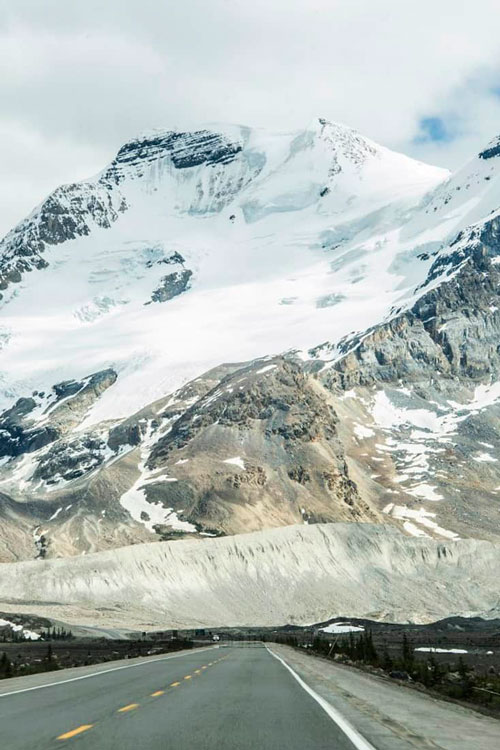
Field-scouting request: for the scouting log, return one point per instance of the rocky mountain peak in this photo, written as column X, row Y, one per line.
column 492, row 149
column 182, row 150
column 347, row 142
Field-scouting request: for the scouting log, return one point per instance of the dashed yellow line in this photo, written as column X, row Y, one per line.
column 132, row 706
column 74, row 732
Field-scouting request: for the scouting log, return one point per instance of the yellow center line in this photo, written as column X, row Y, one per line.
column 204, row 666
column 130, row 707
column 187, row 677
column 74, row 732
column 197, row 671
column 157, row 692
column 174, row 684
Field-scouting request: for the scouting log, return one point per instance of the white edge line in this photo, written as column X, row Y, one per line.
column 103, row 671
column 357, row 739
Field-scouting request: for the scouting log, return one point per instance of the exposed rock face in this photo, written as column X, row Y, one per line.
column 71, row 410
column 241, row 448
column 267, row 394
column 76, row 210
column 172, row 285
column 184, row 150
column 17, row 435
column 451, row 331
column 71, row 459
column 71, row 211
column 492, row 151
column 64, row 498
column 24, row 428
column 289, row 465
column 427, row 399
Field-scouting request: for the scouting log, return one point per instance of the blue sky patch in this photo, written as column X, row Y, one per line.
column 435, row 130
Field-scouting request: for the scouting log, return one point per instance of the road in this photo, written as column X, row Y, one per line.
column 210, row 699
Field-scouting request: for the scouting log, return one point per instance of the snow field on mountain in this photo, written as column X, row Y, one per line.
column 292, row 243
column 134, row 500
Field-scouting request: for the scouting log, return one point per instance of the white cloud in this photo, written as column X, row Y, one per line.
column 77, row 79
column 32, row 165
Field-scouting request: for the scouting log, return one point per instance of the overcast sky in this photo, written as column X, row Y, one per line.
column 79, row 77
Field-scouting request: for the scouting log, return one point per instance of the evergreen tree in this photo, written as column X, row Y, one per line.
column 463, row 669
column 351, row 652
column 407, row 653
column 387, row 662
column 434, row 672
column 464, row 672
column 6, row 669
column 371, row 651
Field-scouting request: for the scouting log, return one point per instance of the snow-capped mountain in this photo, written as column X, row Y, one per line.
column 229, row 329
column 254, row 227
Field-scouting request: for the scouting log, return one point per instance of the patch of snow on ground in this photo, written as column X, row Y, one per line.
column 19, row 628
column 349, row 394
column 237, row 461
column 342, row 627
column 484, row 395
column 421, row 517
column 433, row 430
column 435, row 650
column 362, row 432
column 267, row 368
column 389, row 416
column 413, row 530
column 484, row 458
column 426, row 492
column 135, row 502
column 23, row 471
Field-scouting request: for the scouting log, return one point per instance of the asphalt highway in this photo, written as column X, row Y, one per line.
column 210, row 699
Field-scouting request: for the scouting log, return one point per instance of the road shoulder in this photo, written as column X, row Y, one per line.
column 390, row 716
